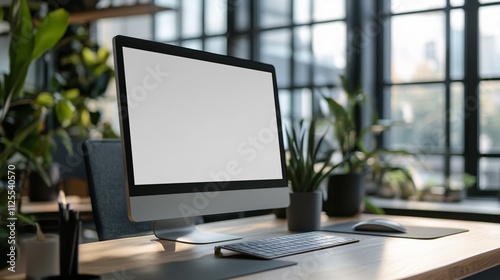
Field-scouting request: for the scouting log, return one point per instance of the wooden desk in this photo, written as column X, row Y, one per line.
column 46, row 207
column 372, row 258
column 47, row 212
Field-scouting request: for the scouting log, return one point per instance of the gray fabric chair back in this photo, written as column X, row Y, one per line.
column 104, row 164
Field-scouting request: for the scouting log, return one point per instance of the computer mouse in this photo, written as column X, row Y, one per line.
column 381, row 225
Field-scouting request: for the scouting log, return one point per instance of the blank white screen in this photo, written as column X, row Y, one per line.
column 197, row 121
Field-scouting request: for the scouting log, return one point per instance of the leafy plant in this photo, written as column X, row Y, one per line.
column 84, row 65
column 23, row 114
column 24, row 137
column 356, row 156
column 304, row 169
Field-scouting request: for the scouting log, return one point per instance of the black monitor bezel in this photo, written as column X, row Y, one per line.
column 119, row 42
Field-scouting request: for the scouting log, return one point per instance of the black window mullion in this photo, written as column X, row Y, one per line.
column 471, row 102
column 203, row 18
column 447, row 125
column 291, row 73
column 382, row 66
column 230, row 27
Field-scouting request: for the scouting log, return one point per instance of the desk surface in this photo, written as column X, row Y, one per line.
column 374, row 257
column 44, row 207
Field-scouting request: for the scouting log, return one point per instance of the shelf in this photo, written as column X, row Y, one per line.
column 114, row 12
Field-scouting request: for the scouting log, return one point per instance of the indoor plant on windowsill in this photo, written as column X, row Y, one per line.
column 305, row 172
column 346, row 187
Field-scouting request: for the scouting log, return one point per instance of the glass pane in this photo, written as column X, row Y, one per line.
column 242, row 14
column 489, row 174
column 328, row 9
column 216, row 45
column 418, row 47
column 329, row 50
column 401, row 6
column 275, row 50
column 285, row 99
column 457, row 44
column 241, row 47
column 302, row 11
column 421, row 107
column 457, row 117
column 455, row 3
column 215, row 17
column 338, row 95
column 489, row 113
column 457, row 173
column 429, row 172
column 167, row 3
column 302, row 55
column 489, row 41
column 166, row 26
column 191, row 18
column 335, row 93
column 274, row 13
column 302, row 104
column 488, row 1
column 133, row 26
column 192, row 44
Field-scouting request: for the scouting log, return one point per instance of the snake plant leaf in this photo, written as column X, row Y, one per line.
column 50, row 31
column 303, row 149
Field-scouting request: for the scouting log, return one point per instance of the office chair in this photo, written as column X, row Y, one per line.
column 104, row 164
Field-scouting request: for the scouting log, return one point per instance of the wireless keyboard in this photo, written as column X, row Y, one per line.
column 277, row 247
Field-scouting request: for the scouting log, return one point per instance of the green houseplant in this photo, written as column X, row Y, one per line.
column 305, row 172
column 346, row 187
column 23, row 114
column 83, row 65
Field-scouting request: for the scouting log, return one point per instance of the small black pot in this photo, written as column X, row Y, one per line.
column 345, row 195
column 304, row 212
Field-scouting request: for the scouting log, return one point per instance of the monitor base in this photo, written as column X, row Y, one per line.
column 184, row 230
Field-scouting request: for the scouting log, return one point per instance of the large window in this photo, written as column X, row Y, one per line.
column 441, row 77
column 304, row 39
column 433, row 64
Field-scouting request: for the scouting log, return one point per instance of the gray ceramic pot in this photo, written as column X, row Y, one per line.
column 304, row 212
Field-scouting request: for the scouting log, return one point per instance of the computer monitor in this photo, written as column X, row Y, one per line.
column 201, row 134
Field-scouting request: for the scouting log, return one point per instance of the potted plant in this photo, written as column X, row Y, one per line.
column 305, row 172
column 346, row 187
